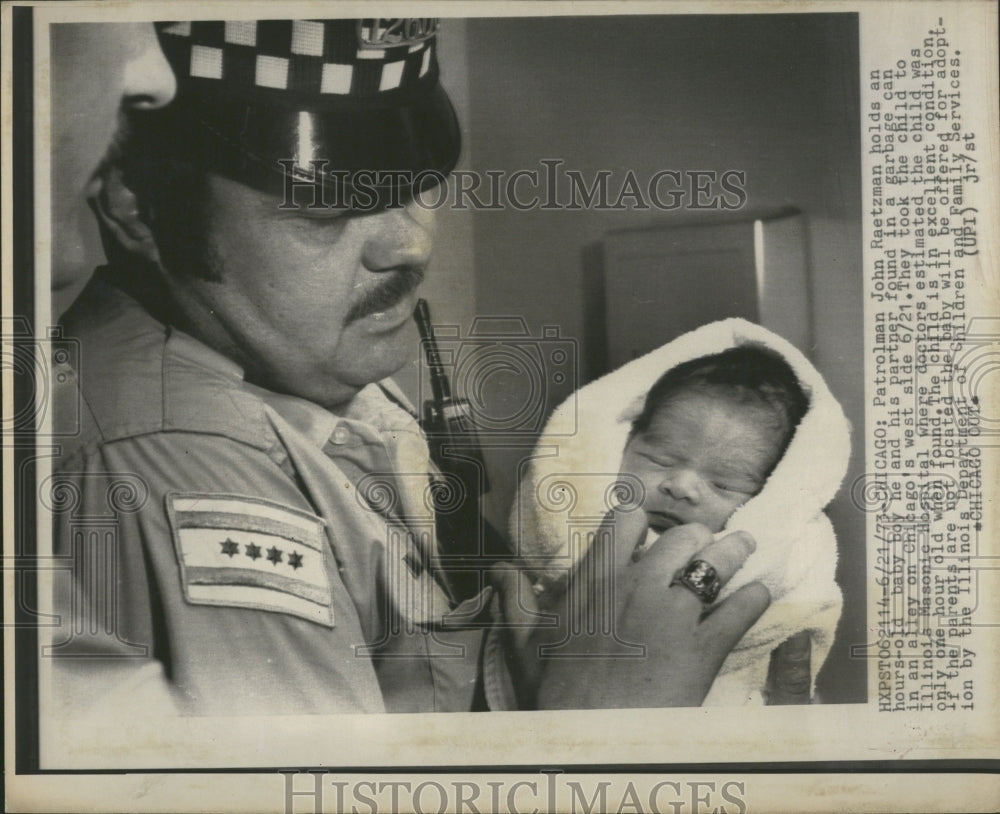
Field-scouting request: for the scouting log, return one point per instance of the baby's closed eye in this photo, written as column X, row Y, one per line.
column 736, row 487
column 658, row 459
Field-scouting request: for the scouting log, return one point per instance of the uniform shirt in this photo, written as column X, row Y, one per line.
column 243, row 551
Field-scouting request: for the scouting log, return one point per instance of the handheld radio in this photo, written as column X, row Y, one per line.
column 467, row 544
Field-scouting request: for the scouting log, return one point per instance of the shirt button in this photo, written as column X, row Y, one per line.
column 340, row 435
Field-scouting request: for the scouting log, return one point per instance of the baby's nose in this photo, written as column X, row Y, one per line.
column 682, row 484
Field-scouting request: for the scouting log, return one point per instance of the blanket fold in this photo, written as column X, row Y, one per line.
column 572, row 482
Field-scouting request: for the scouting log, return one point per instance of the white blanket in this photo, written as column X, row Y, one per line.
column 569, row 486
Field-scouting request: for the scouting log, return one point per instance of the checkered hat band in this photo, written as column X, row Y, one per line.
column 309, row 58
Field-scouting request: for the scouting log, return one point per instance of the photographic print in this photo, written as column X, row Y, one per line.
column 568, row 407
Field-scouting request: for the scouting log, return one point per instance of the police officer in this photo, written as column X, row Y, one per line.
column 245, row 498
column 126, row 69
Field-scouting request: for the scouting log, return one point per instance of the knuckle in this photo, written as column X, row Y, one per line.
column 757, row 593
column 699, row 530
column 744, row 539
column 694, row 533
column 679, row 538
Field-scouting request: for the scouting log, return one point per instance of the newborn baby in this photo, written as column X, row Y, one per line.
column 709, row 435
column 729, row 426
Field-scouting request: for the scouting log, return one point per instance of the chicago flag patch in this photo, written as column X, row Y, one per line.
column 248, row 552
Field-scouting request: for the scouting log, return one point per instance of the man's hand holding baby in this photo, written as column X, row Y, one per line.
column 655, row 645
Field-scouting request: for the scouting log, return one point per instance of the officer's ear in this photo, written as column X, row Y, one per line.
column 122, row 223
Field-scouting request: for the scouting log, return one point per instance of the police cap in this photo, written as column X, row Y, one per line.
column 343, row 102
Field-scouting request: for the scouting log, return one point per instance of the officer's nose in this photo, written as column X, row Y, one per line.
column 682, row 484
column 148, row 80
column 399, row 237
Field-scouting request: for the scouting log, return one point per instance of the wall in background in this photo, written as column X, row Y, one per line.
column 449, row 286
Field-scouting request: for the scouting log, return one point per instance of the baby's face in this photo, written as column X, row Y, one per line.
column 700, row 459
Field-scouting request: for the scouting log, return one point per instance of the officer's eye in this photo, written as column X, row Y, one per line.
column 318, row 225
column 321, row 214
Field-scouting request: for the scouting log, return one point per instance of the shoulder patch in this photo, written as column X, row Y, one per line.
column 248, row 552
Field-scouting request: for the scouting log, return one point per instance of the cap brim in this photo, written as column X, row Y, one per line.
column 361, row 151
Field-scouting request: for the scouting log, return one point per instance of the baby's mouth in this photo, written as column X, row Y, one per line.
column 661, row 521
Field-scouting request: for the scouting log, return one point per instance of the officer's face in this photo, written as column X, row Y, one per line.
column 312, row 305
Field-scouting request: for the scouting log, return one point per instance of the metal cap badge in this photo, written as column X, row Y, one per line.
column 353, row 104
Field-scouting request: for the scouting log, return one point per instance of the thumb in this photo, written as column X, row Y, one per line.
column 519, row 608
column 518, row 602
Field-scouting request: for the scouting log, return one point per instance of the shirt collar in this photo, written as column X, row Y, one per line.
column 370, row 407
column 314, row 422
column 193, row 350
column 369, row 413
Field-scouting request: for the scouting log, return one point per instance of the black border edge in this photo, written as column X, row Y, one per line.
column 26, row 723
column 935, row 765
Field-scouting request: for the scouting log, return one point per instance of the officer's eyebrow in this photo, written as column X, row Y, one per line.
column 304, row 209
column 331, row 212
column 328, row 212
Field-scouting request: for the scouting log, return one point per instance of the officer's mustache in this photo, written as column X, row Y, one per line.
column 393, row 286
